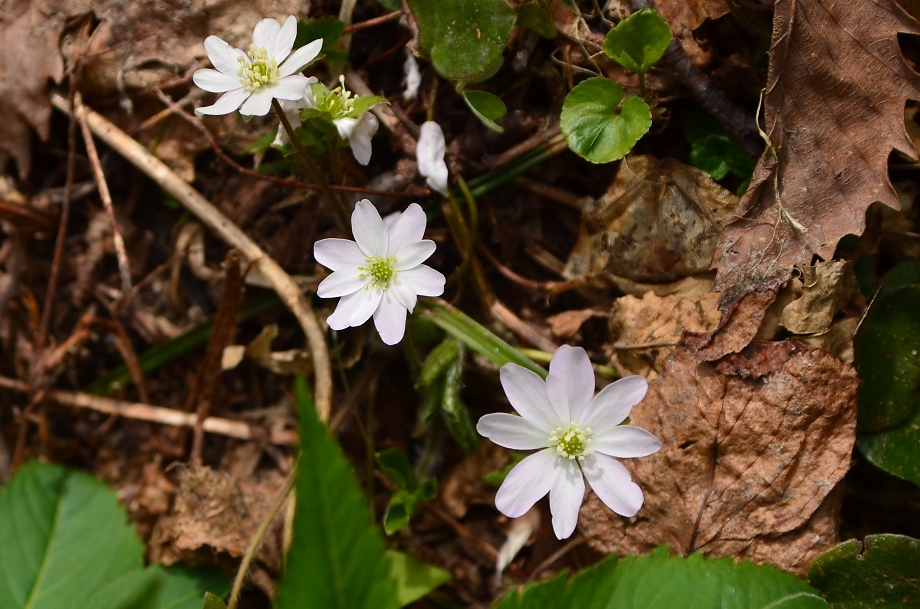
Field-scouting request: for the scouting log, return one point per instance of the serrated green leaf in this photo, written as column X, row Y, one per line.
column 212, row 601
column 639, row 41
column 882, row 572
column 462, row 37
column 62, row 536
column 659, row 581
column 532, row 16
column 336, row 560
column 595, row 127
column 488, row 108
column 414, row 578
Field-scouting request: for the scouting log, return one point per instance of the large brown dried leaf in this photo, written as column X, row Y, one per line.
column 747, row 463
column 834, row 108
column 658, row 222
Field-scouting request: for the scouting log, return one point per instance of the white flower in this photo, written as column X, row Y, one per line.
column 413, row 77
column 381, row 272
column 429, row 152
column 580, row 433
column 268, row 71
column 292, row 112
column 358, row 132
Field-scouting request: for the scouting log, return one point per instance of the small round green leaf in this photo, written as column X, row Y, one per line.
column 639, row 41
column 532, row 16
column 488, row 108
column 882, row 572
column 593, row 125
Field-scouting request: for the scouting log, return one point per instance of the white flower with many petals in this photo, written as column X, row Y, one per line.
column 429, row 152
column 268, row 71
column 580, row 433
column 381, row 272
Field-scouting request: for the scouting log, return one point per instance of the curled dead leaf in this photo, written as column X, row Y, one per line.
column 748, row 467
column 826, row 288
column 292, row 361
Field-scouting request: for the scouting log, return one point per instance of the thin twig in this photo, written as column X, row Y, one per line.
column 354, row 27
column 124, row 268
column 552, row 558
column 282, row 283
column 487, row 549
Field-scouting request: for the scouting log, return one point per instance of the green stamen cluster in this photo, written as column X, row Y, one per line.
column 339, row 102
column 258, row 71
column 572, row 443
column 381, row 270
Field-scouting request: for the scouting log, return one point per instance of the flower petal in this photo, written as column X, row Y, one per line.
column 258, row 104
column 300, row 58
column 424, row 280
column 527, row 393
column 354, row 309
column 610, row 480
column 413, row 77
column 403, row 292
column 612, row 405
column 410, row 255
column 216, row 82
column 289, row 88
column 338, row 254
column 222, row 55
column 430, row 156
column 368, row 229
column 342, row 283
column 565, row 497
column 360, row 142
column 406, row 227
column 227, row 103
column 626, row 441
column 285, row 40
column 526, row 483
column 265, row 33
column 512, row 431
column 345, row 126
column 570, row 384
column 390, row 319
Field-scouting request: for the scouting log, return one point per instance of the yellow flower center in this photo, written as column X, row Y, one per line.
column 572, row 442
column 381, row 270
column 258, row 70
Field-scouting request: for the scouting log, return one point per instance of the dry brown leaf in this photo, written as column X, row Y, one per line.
column 834, row 111
column 748, row 466
column 658, row 222
column 567, row 323
column 738, row 326
column 685, row 16
column 826, row 288
column 837, row 340
column 463, row 486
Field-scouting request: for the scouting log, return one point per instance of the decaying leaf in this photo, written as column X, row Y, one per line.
column 293, row 361
column 826, row 288
column 749, row 465
column 568, row 323
column 685, row 16
column 658, row 222
column 834, row 111
column 740, row 323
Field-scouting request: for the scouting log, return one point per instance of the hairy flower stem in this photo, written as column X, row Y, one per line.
column 314, row 169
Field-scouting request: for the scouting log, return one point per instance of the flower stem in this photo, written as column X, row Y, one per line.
column 642, row 85
column 313, row 168
column 335, row 162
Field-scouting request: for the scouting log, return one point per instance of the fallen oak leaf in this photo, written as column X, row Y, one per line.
column 748, row 466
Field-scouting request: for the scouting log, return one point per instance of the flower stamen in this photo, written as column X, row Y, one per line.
column 381, row 270
column 259, row 70
column 572, row 442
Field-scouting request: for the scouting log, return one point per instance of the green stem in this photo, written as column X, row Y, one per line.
column 432, row 97
column 642, row 85
column 337, row 175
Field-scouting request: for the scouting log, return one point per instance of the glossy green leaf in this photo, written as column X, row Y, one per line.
column 659, row 581
column 462, row 37
column 330, row 30
column 639, row 41
column 336, row 560
column 488, row 108
column 532, row 16
column 212, row 601
column 882, row 572
column 886, row 348
column 594, row 124
column 413, row 578
column 475, row 336
column 437, row 361
column 719, row 156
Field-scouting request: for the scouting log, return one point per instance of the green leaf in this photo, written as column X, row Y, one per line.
column 639, row 41
column 336, row 560
column 330, row 30
column 62, row 536
column 886, row 348
column 261, row 144
column 391, row 5
column 719, row 155
column 414, row 578
column 462, row 37
column 437, row 361
column 158, row 587
column 594, row 127
column 456, row 414
column 399, row 512
column 488, row 108
column 475, row 336
column 364, row 103
column 659, row 581
column 498, row 476
column 532, row 16
column 396, row 467
column 885, row 572
column 213, row 602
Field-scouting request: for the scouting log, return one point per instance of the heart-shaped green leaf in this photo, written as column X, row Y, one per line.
column 639, row 41
column 462, row 37
column 883, row 571
column 595, row 127
column 488, row 108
